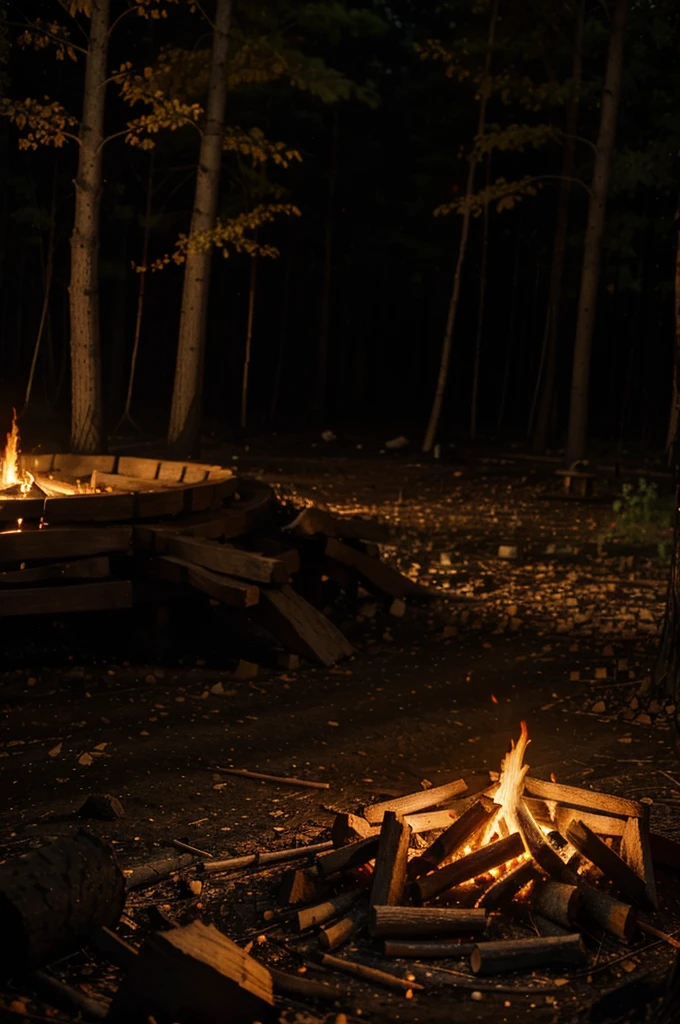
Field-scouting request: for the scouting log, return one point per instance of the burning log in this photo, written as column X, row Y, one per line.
column 557, row 901
column 594, row 849
column 336, row 963
column 52, row 898
column 503, row 890
column 583, row 799
column 539, row 848
column 389, row 876
column 191, row 974
column 520, row 954
column 402, row 921
column 350, row 828
column 462, row 870
column 637, row 854
column 448, row 950
column 351, row 856
column 455, row 837
column 322, row 912
column 342, row 931
column 619, row 919
column 413, row 802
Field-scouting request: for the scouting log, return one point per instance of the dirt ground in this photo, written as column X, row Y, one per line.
column 431, row 696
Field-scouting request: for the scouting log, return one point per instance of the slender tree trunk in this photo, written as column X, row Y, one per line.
column 577, row 437
column 47, row 289
column 185, row 416
column 86, row 398
column 252, row 292
column 548, row 395
column 324, row 336
column 435, row 413
column 141, row 292
column 283, row 333
column 511, row 330
column 667, row 670
column 480, row 309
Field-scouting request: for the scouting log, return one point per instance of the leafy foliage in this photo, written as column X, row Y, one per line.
column 42, row 123
column 641, row 515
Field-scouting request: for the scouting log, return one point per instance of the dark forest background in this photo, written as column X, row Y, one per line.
column 367, row 267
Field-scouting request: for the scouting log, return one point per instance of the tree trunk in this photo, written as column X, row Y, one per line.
column 511, row 330
column 252, row 292
column 667, row 669
column 480, row 310
column 185, row 416
column 549, row 376
column 283, row 333
column 86, row 399
column 577, row 438
column 438, row 401
column 47, row 288
column 324, row 337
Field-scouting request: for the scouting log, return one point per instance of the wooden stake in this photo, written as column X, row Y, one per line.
column 520, row 954
column 556, row 901
column 389, row 877
column 336, row 963
column 409, row 921
column 594, row 849
column 415, row 801
column 477, row 863
column 282, row 780
column 456, row 836
column 425, row 950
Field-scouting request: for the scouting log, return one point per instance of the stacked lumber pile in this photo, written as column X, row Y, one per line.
column 109, row 532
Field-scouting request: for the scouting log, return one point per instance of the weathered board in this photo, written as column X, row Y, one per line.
column 63, row 542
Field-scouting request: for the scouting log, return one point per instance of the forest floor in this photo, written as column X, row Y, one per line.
column 434, row 695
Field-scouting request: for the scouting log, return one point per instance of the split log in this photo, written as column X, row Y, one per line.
column 336, row 963
column 282, row 780
column 335, row 935
column 298, row 626
column 456, row 836
column 350, row 828
column 221, row 588
column 322, row 912
column 313, row 521
column 505, row 888
column 258, row 860
column 157, row 870
column 297, row 985
column 51, row 899
column 636, row 853
column 352, row 856
column 585, row 799
column 300, row 885
column 389, row 875
column 76, row 597
column 523, row 954
column 224, row 558
column 408, row 921
column 594, row 849
column 477, row 863
column 415, row 801
column 557, row 901
column 428, row 950
column 619, row 919
column 192, row 974
column 430, row 821
column 603, row 824
column 539, row 848
column 376, row 576
column 94, row 568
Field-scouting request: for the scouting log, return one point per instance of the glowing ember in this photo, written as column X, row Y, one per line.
column 10, row 473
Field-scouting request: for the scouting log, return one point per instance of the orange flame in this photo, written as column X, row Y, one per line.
column 10, row 473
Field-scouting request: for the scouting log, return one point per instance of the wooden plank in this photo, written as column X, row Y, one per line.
column 195, row 473
column 168, row 502
column 89, row 508
column 375, row 575
column 12, row 509
column 78, row 597
column 143, row 469
column 55, row 542
column 224, row 558
column 313, row 521
column 97, row 567
column 171, row 472
column 300, row 627
column 82, row 465
column 216, row 585
column 413, row 802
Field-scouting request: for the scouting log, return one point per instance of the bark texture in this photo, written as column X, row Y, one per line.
column 185, row 415
column 86, row 401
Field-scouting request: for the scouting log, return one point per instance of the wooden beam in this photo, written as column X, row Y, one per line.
column 375, row 575
column 77, row 597
column 224, row 558
column 301, row 628
column 221, row 588
column 413, row 802
column 97, row 567
column 63, row 542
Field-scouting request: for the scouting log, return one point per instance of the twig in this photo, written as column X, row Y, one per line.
column 261, row 860
column 668, row 776
column 367, row 973
column 649, row 929
column 460, row 980
column 281, row 779
column 192, row 849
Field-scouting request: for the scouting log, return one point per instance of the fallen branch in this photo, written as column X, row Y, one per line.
column 336, row 963
column 260, row 860
column 282, row 780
